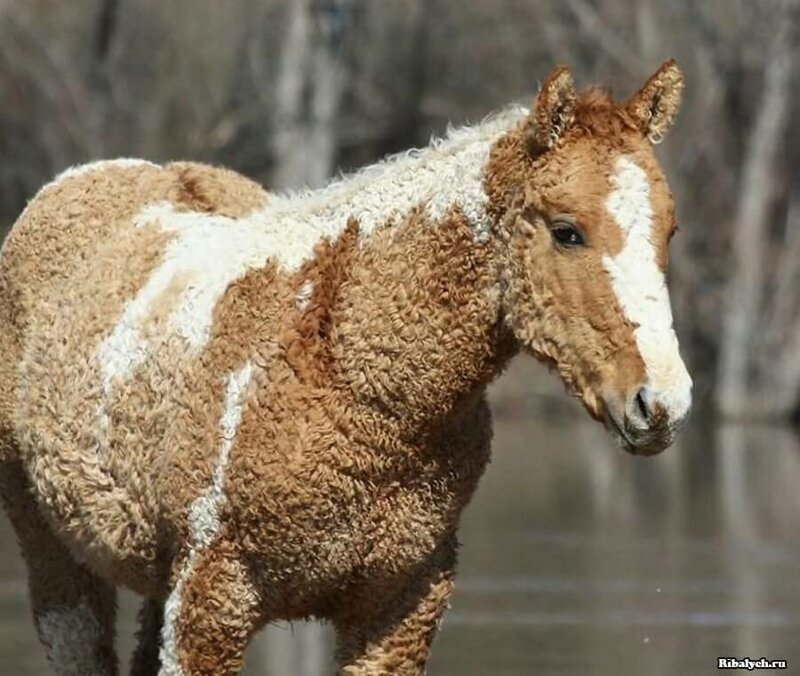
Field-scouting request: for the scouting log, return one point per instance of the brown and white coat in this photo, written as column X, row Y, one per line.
column 249, row 407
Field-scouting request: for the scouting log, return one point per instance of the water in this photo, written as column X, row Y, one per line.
column 579, row 559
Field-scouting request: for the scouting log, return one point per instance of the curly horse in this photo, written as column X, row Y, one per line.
column 250, row 407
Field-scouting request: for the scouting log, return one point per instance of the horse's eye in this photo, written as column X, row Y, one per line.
column 567, row 234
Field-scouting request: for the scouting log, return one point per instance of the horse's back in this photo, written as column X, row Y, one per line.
column 84, row 206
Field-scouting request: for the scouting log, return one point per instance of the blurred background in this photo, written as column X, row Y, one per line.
column 575, row 558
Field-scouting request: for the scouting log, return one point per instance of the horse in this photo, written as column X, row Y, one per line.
column 250, row 407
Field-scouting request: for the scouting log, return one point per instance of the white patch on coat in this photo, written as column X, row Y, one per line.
column 81, row 169
column 213, row 251
column 304, row 295
column 71, row 636
column 204, row 517
column 641, row 289
column 204, row 514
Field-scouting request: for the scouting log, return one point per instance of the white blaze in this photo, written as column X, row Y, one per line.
column 641, row 288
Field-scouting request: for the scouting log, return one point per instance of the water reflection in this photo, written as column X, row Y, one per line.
column 579, row 559
column 582, row 560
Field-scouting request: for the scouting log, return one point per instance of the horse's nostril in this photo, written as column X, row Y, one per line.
column 641, row 404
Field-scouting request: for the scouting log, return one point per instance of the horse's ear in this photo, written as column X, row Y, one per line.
column 553, row 110
column 655, row 106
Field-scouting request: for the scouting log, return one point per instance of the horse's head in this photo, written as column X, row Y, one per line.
column 587, row 220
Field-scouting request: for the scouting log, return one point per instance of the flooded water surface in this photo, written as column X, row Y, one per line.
column 579, row 559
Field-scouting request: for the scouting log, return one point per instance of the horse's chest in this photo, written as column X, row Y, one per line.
column 326, row 515
column 388, row 530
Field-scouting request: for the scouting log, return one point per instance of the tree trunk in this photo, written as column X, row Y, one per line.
column 308, row 92
column 746, row 286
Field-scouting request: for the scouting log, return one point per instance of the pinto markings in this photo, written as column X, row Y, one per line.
column 213, row 251
column 204, row 517
column 426, row 315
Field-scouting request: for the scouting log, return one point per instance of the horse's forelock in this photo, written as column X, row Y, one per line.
column 597, row 113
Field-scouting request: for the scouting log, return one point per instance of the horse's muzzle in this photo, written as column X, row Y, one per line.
column 645, row 421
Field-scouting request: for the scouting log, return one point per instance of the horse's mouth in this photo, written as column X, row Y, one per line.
column 619, row 433
column 651, row 443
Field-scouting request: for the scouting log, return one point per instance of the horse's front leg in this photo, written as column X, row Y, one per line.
column 210, row 615
column 395, row 637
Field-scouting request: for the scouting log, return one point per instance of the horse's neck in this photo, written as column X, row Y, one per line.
column 415, row 319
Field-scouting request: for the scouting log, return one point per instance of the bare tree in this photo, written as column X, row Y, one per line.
column 738, row 395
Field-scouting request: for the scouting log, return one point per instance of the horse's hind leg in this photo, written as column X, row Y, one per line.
column 73, row 609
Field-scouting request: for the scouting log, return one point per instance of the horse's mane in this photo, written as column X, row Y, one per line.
column 453, row 141
column 596, row 113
